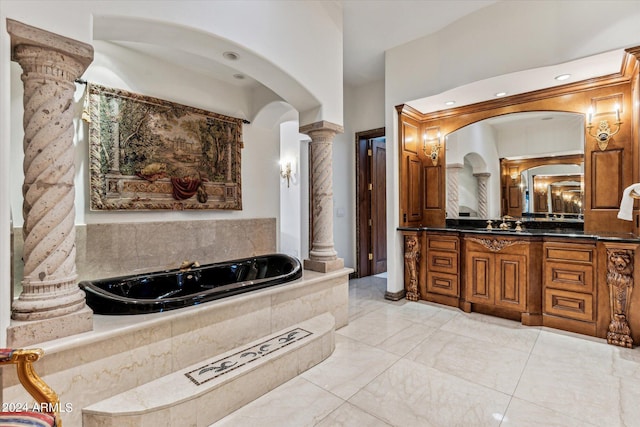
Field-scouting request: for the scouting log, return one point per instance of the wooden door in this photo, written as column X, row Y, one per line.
column 379, row 206
column 371, row 211
column 511, row 281
column 479, row 277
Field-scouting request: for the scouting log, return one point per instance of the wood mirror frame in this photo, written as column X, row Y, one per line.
column 606, row 173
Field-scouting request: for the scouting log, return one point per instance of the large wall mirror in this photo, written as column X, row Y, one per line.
column 528, row 164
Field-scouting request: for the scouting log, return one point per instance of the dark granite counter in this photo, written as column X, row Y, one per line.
column 558, row 232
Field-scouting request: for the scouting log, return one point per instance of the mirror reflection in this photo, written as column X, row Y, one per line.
column 522, row 165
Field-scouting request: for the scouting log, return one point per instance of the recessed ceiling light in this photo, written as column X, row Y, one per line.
column 231, row 56
column 238, row 76
column 499, row 94
column 449, row 102
column 562, row 77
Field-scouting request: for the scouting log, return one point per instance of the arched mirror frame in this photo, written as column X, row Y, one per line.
column 607, row 172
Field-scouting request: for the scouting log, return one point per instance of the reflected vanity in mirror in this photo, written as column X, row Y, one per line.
column 522, row 165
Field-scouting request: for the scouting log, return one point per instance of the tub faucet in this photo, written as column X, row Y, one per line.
column 186, row 265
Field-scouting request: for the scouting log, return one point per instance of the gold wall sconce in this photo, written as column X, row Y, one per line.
column 431, row 147
column 287, row 170
column 604, row 133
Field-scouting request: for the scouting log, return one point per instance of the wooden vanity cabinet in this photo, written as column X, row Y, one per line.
column 443, row 270
column 569, row 290
column 502, row 277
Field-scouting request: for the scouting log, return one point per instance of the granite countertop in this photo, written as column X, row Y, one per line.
column 533, row 232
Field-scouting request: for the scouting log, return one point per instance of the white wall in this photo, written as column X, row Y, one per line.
column 505, row 37
column 266, row 32
column 540, row 138
column 290, row 195
column 364, row 110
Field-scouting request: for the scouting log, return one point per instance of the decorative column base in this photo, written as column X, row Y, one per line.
column 324, row 266
column 619, row 332
column 22, row 334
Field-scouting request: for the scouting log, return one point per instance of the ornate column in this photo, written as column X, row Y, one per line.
column 620, row 259
column 322, row 255
column 453, row 198
column 483, row 203
column 50, row 64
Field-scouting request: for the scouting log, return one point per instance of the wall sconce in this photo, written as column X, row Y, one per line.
column 603, row 133
column 434, row 151
column 287, row 170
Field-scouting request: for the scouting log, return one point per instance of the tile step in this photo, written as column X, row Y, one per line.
column 207, row 391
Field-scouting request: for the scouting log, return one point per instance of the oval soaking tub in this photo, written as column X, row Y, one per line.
column 171, row 289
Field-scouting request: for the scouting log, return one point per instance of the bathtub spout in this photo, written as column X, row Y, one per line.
column 186, row 265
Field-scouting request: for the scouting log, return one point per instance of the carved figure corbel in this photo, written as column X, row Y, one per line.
column 620, row 282
column 411, row 262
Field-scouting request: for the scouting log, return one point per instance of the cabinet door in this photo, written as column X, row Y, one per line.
column 479, row 277
column 511, row 281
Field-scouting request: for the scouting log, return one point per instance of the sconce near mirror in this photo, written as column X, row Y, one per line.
column 603, row 133
column 431, row 147
column 287, row 170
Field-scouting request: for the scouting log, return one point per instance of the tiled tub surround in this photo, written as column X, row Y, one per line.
column 124, row 352
column 108, row 250
column 209, row 390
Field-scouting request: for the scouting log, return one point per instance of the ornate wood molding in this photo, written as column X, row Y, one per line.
column 495, row 245
column 620, row 282
column 411, row 261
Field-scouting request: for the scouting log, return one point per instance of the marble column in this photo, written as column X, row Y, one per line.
column 453, row 198
column 483, row 203
column 322, row 255
column 50, row 64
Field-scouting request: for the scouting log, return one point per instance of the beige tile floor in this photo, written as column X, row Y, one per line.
column 420, row 364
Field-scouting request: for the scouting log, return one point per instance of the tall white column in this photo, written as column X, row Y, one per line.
column 453, row 182
column 50, row 64
column 483, row 203
column 322, row 255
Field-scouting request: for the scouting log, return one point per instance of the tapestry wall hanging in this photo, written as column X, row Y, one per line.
column 147, row 153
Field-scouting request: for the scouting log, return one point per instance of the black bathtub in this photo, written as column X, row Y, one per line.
column 172, row 289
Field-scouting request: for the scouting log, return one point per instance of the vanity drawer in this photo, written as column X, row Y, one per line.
column 441, row 243
column 442, row 262
column 569, row 277
column 569, row 252
column 572, row 305
column 443, row 284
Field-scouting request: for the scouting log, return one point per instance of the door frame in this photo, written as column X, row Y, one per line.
column 363, row 236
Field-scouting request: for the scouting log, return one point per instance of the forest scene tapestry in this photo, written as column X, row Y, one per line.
column 147, row 153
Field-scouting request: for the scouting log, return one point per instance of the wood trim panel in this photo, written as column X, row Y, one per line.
column 479, row 277
column 410, row 140
column 443, row 262
column 511, row 281
column 434, row 187
column 606, row 193
column 414, row 189
column 570, row 277
column 443, row 284
column 573, row 305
